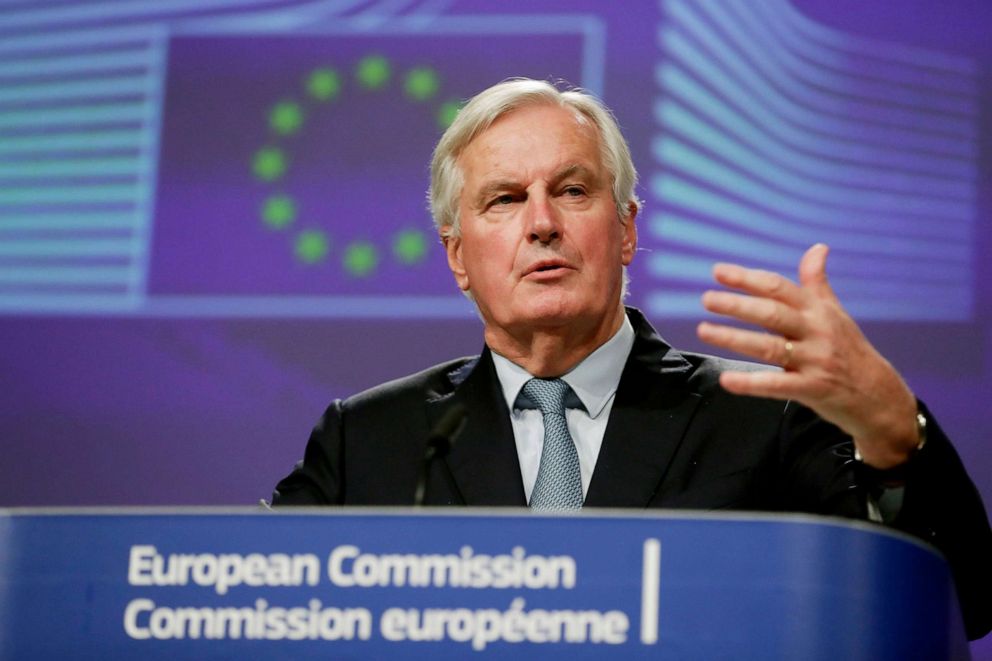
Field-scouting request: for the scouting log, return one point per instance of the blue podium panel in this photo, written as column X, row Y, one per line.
column 377, row 584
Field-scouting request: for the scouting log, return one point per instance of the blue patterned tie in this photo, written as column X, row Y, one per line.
column 559, row 479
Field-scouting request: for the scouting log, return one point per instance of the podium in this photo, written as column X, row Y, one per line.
column 453, row 584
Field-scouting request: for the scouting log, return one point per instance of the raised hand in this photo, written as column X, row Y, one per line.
column 828, row 364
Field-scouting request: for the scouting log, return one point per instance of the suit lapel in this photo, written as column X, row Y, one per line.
column 652, row 409
column 483, row 459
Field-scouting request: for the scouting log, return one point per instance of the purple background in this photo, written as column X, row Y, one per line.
column 99, row 400
column 96, row 409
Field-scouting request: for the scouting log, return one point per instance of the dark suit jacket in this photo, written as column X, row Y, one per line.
column 674, row 439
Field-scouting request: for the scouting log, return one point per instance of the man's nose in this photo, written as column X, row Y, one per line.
column 543, row 222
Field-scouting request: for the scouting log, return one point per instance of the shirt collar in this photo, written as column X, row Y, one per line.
column 594, row 380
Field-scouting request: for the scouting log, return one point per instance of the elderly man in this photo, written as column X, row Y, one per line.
column 576, row 401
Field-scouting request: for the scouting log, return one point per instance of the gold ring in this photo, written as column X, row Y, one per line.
column 789, row 349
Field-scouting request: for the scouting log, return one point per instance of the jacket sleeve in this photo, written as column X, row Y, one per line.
column 942, row 506
column 318, row 478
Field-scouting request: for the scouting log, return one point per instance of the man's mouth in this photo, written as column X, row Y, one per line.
column 547, row 266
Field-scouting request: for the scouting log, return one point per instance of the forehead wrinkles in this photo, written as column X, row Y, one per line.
column 490, row 150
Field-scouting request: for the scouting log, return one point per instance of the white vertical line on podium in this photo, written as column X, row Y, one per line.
column 650, row 589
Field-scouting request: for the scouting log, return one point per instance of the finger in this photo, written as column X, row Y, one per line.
column 771, row 384
column 759, row 283
column 772, row 349
column 764, row 312
column 813, row 269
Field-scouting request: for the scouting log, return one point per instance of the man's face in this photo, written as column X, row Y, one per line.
column 541, row 243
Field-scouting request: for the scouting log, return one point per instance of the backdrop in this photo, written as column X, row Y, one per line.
column 212, row 212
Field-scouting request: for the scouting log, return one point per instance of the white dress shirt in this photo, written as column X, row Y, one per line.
column 594, row 381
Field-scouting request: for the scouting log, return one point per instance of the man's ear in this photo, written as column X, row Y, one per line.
column 629, row 246
column 453, row 248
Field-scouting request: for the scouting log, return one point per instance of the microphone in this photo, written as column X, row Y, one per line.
column 439, row 444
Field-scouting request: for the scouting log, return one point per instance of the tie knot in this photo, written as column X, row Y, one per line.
column 548, row 394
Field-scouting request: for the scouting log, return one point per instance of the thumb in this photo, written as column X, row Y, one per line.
column 813, row 269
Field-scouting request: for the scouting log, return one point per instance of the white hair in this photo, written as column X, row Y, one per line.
column 485, row 108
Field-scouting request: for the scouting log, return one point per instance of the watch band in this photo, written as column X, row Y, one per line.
column 921, row 434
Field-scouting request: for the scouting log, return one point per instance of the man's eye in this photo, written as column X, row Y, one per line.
column 574, row 191
column 502, row 199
